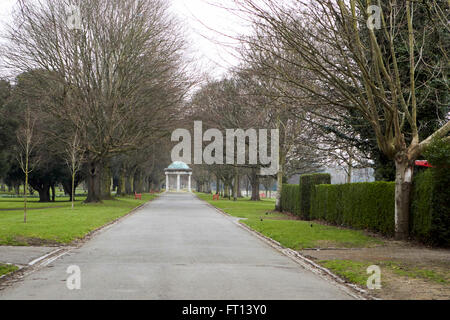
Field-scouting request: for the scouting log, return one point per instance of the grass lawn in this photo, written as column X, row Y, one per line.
column 243, row 208
column 294, row 234
column 7, row 268
column 356, row 271
column 17, row 203
column 299, row 235
column 62, row 225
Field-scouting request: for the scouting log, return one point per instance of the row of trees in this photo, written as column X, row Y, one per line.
column 93, row 101
column 107, row 93
column 340, row 89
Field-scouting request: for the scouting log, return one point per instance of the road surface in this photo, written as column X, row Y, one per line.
column 176, row 247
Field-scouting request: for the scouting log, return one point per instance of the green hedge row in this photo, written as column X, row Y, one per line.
column 371, row 205
column 296, row 198
column 307, row 183
column 290, row 199
column 359, row 205
column 430, row 207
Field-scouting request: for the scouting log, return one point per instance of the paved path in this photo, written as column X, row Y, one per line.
column 22, row 255
column 176, row 247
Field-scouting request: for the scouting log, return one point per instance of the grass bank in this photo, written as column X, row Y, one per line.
column 291, row 233
column 33, row 203
column 356, row 271
column 7, row 268
column 56, row 225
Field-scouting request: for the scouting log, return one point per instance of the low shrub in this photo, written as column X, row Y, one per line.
column 307, row 183
column 290, row 198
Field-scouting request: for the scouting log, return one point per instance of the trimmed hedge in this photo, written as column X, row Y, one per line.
column 296, row 198
column 431, row 197
column 290, row 199
column 371, row 205
column 430, row 207
column 307, row 183
column 360, row 205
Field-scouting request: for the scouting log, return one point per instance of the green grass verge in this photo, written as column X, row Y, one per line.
column 243, row 207
column 356, row 272
column 299, row 235
column 418, row 272
column 62, row 225
column 294, row 234
column 32, row 203
column 352, row 271
column 7, row 268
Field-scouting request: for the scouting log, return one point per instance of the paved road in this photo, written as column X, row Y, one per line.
column 176, row 247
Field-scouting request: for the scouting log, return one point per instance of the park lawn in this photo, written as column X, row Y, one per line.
column 57, row 226
column 243, row 207
column 298, row 235
column 356, row 271
column 291, row 233
column 32, row 203
column 7, row 268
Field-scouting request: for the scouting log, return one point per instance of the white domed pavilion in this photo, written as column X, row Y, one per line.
column 179, row 169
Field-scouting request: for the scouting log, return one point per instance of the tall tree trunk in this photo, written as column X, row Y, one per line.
column 138, row 182
column 226, row 188
column 129, row 182
column 349, row 173
column 239, row 191
column 217, row 185
column 121, row 189
column 44, row 193
column 403, row 180
column 52, row 187
column 72, row 193
column 94, row 183
column 255, row 185
column 279, row 183
column 25, row 195
column 67, row 189
column 105, row 179
column 236, row 185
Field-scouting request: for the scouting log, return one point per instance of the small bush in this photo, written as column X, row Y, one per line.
column 307, row 183
column 290, row 198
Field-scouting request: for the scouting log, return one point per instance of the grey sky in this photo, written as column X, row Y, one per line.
column 211, row 30
column 5, row 9
column 204, row 23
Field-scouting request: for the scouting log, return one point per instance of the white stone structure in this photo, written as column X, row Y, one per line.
column 179, row 169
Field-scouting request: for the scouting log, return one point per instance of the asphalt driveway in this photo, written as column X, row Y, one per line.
column 176, row 247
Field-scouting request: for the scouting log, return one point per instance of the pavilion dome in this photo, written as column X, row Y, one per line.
column 178, row 165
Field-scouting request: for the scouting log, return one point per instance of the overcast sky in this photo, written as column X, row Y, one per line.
column 204, row 24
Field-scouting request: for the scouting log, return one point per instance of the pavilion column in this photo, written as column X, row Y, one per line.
column 167, row 182
column 189, row 185
column 178, row 182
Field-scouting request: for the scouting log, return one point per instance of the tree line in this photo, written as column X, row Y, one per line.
column 90, row 103
column 340, row 90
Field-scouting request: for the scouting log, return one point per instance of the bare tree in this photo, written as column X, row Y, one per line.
column 74, row 160
column 121, row 73
column 26, row 138
column 352, row 67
